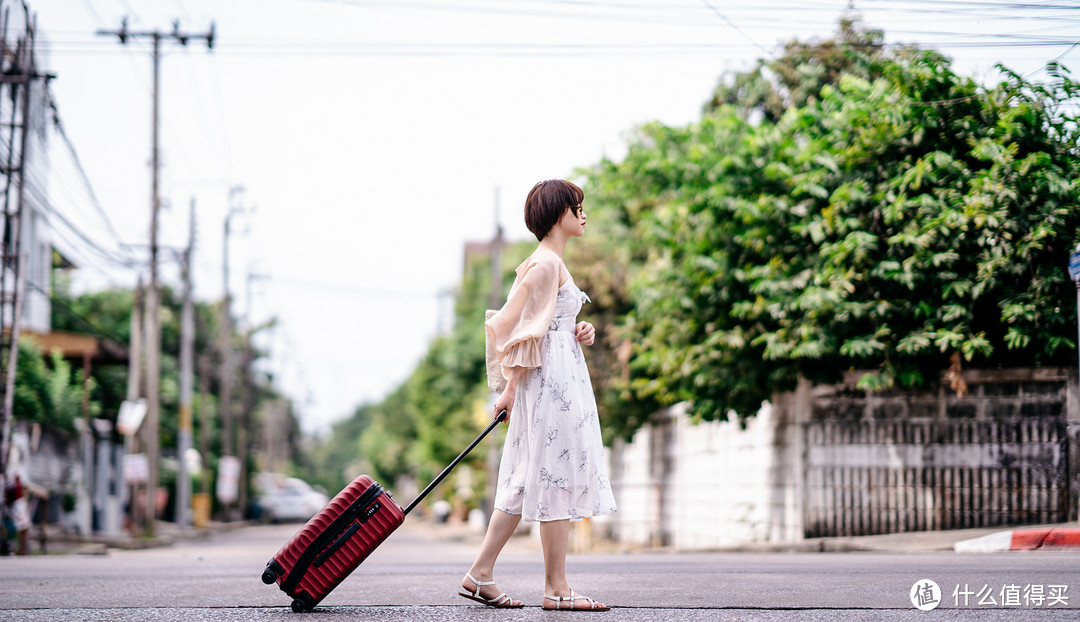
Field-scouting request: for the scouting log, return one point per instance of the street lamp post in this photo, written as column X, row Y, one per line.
column 226, row 491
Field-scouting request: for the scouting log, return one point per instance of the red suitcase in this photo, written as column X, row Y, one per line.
column 341, row 536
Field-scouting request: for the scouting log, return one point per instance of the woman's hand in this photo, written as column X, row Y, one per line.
column 505, row 401
column 585, row 333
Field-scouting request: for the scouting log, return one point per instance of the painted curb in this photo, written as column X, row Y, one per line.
column 1021, row 540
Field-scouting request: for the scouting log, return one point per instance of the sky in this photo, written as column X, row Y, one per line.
column 360, row 144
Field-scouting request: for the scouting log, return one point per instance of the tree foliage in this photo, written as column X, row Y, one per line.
column 50, row 392
column 106, row 315
column 873, row 211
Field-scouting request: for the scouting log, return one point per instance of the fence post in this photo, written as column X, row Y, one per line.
column 802, row 407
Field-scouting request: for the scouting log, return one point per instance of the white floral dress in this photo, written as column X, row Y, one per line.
column 553, row 461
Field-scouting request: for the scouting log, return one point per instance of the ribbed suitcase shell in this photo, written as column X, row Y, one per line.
column 319, row 580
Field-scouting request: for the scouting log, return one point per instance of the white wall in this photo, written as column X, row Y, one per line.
column 35, row 243
column 710, row 484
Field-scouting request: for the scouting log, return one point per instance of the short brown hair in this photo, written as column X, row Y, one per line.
column 547, row 202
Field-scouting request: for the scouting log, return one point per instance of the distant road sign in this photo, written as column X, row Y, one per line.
column 132, row 414
column 136, row 468
column 228, row 480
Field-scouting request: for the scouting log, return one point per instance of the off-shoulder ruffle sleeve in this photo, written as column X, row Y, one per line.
column 517, row 328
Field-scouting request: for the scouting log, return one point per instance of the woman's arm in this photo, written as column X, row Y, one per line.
column 505, row 401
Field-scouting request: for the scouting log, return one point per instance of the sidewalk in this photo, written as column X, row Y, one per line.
column 1023, row 539
column 59, row 542
column 914, row 541
column 1063, row 536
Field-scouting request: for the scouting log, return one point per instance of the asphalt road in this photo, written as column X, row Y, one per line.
column 414, row 576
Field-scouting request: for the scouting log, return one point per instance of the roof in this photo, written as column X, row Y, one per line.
column 79, row 345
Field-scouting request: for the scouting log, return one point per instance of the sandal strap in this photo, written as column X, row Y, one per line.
column 571, row 598
column 498, row 600
column 479, row 584
column 558, row 599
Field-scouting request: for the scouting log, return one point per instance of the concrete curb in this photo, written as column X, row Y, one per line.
column 1021, row 540
column 167, row 535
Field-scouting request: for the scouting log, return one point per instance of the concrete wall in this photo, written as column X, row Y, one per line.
column 36, row 244
column 714, row 484
column 708, row 485
column 49, row 461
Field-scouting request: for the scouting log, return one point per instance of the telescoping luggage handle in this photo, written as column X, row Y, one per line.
column 435, row 482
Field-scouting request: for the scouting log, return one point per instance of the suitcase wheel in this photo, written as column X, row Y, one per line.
column 299, row 605
column 269, row 576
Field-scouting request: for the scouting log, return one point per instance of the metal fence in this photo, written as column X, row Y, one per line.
column 872, row 477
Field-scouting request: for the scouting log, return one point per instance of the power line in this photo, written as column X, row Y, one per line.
column 1066, row 52
column 769, row 13
column 79, row 167
column 983, row 4
column 90, row 6
column 1056, row 60
column 736, row 27
column 34, row 187
column 212, row 138
column 314, row 48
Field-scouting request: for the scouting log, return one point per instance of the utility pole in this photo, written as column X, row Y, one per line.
column 202, row 498
column 134, row 390
column 153, row 294
column 227, row 419
column 17, row 71
column 187, row 365
column 247, row 400
column 204, row 423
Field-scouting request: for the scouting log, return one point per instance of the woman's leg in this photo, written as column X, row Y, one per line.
column 498, row 533
column 554, row 537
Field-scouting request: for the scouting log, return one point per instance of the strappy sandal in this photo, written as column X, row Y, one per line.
column 559, row 600
column 502, row 601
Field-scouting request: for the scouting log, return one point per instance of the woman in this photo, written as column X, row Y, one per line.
column 552, row 467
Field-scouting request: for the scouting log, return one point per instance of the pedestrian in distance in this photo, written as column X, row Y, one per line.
column 552, row 469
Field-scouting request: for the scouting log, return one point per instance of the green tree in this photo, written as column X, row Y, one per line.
column 801, row 70
column 893, row 216
column 50, row 393
column 107, row 315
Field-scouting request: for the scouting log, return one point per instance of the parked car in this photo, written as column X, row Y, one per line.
column 288, row 498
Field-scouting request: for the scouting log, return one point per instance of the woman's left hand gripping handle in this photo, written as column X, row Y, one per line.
column 505, row 402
